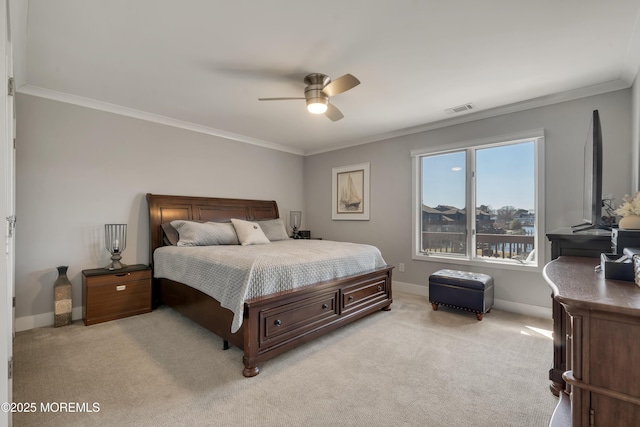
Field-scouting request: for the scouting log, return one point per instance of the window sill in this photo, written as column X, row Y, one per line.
column 486, row 263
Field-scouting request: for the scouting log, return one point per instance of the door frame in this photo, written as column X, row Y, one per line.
column 7, row 209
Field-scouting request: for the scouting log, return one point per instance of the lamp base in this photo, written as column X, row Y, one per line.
column 115, row 262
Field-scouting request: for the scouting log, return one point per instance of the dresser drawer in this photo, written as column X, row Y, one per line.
column 279, row 324
column 115, row 295
column 362, row 294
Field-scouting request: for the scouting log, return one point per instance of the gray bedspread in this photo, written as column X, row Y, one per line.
column 233, row 274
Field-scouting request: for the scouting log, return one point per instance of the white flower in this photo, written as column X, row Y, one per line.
column 631, row 205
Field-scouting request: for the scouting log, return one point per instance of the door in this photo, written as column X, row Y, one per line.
column 7, row 210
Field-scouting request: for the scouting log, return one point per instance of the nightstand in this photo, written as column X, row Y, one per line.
column 114, row 294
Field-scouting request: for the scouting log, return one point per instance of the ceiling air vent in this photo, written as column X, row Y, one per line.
column 460, row 108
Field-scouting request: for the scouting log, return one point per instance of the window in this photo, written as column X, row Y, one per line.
column 500, row 182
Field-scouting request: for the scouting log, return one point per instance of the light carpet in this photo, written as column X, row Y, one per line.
column 411, row 366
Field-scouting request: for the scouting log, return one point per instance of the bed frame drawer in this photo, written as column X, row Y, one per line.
column 364, row 293
column 279, row 324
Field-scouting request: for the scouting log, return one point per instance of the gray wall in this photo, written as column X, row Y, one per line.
column 389, row 228
column 78, row 169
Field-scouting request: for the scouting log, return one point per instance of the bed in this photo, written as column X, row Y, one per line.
column 273, row 323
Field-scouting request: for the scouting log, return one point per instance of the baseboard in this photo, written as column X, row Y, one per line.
column 410, row 288
column 46, row 319
column 41, row 320
column 524, row 309
column 510, row 306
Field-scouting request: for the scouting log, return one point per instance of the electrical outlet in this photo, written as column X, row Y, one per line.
column 401, row 267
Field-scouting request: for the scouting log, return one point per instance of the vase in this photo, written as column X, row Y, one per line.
column 62, row 298
column 629, row 222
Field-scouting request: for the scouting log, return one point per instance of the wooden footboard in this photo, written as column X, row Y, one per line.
column 282, row 321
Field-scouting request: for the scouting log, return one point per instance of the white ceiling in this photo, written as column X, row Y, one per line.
column 202, row 64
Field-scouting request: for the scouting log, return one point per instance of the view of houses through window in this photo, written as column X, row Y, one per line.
column 499, row 181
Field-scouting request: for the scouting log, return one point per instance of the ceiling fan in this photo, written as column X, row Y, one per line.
column 318, row 91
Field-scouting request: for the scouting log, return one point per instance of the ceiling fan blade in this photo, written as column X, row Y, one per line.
column 341, row 84
column 277, row 99
column 333, row 113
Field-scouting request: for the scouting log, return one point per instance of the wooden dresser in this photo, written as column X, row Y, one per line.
column 603, row 336
column 564, row 242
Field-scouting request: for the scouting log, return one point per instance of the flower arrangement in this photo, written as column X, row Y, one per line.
column 631, row 205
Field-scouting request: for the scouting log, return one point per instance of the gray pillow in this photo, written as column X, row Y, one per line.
column 205, row 234
column 274, row 229
column 171, row 236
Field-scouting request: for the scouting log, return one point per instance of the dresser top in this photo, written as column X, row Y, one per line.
column 575, row 283
column 587, row 234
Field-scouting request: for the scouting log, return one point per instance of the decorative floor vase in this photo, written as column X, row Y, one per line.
column 629, row 222
column 62, row 298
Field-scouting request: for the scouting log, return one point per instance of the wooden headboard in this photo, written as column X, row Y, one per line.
column 168, row 208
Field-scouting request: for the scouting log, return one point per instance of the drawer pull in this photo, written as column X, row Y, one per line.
column 325, row 306
column 123, row 274
column 277, row 322
column 379, row 288
column 350, row 297
column 121, row 287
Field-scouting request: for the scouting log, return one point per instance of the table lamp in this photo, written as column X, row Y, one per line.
column 115, row 239
column 295, row 219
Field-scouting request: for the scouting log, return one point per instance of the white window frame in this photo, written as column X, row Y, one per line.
column 537, row 136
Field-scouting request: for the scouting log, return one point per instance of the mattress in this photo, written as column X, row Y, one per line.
column 233, row 273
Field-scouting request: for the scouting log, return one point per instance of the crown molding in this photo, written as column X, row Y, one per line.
column 543, row 101
column 606, row 87
column 142, row 115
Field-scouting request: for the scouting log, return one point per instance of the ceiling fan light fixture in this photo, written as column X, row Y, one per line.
column 319, row 90
column 317, row 105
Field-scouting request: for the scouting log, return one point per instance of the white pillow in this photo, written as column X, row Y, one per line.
column 249, row 233
column 274, row 229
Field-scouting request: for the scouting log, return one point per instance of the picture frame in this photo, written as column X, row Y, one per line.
column 351, row 192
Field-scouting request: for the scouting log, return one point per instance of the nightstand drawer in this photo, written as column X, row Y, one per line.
column 115, row 277
column 109, row 295
column 113, row 301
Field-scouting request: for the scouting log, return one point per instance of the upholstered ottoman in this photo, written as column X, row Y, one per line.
column 462, row 289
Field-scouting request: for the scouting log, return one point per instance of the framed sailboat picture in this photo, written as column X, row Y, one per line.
column 351, row 192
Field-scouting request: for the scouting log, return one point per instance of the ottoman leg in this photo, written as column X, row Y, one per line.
column 434, row 305
column 479, row 316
